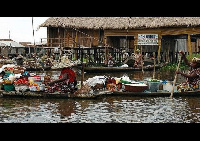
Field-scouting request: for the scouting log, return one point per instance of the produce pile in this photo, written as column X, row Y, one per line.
column 65, row 61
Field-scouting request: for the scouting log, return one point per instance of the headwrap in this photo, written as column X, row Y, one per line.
column 196, row 59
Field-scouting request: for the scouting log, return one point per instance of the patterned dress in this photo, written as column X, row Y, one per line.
column 191, row 84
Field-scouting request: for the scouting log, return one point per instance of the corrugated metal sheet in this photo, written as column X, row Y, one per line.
column 10, row 43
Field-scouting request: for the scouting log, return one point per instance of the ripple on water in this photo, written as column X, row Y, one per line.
column 107, row 110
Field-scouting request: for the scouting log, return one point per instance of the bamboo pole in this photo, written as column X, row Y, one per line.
column 82, row 74
column 142, row 61
column 175, row 78
column 154, row 65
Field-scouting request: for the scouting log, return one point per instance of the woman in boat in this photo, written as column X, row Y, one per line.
column 192, row 77
column 138, row 58
column 66, row 83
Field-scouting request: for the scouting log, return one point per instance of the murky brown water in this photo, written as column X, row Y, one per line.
column 104, row 109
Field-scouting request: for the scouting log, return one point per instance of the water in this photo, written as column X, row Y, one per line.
column 103, row 109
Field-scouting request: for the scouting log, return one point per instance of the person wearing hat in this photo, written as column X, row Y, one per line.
column 192, row 77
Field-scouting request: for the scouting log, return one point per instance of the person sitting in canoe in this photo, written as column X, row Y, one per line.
column 192, row 77
column 66, row 83
column 138, row 58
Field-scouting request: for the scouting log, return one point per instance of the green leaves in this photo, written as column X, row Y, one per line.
column 173, row 66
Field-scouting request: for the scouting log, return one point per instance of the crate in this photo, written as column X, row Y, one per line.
column 9, row 73
column 9, row 87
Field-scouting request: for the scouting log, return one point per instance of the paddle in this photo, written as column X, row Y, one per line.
column 154, row 65
column 142, row 61
column 175, row 78
column 82, row 74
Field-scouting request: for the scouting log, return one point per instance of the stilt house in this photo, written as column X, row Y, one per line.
column 99, row 36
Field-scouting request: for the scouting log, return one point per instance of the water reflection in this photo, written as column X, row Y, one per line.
column 104, row 109
column 101, row 110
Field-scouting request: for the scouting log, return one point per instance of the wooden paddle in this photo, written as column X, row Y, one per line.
column 82, row 74
column 175, row 78
column 154, row 65
column 142, row 61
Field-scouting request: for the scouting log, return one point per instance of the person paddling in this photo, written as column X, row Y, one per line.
column 192, row 77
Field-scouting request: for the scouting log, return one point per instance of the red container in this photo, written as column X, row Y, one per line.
column 37, row 78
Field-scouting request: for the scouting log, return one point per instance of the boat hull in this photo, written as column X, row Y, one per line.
column 59, row 95
column 155, row 94
column 117, row 69
column 40, row 94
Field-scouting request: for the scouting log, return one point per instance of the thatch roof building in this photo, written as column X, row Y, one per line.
column 123, row 32
column 121, row 22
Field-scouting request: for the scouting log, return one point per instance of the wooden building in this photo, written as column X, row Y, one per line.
column 115, row 35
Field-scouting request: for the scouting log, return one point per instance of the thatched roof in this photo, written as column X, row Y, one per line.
column 121, row 22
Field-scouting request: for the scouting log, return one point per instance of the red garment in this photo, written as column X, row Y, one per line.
column 70, row 74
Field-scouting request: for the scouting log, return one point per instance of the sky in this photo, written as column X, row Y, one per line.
column 20, row 29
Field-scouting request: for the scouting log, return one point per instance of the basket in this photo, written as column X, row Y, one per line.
column 154, row 85
column 22, row 88
column 9, row 87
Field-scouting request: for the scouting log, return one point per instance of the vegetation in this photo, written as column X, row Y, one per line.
column 173, row 66
column 193, row 55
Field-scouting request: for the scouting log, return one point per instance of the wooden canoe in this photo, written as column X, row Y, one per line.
column 38, row 69
column 118, row 69
column 104, row 93
column 153, row 94
column 40, row 94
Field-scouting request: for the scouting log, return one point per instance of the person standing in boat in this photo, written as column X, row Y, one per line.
column 192, row 77
column 138, row 58
column 66, row 82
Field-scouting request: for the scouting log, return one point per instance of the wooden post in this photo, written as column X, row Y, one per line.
column 76, row 39
column 135, row 42
column 189, row 47
column 159, row 47
column 106, row 59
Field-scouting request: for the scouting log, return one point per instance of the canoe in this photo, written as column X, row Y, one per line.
column 40, row 94
column 103, row 93
column 153, row 94
column 38, row 69
column 118, row 69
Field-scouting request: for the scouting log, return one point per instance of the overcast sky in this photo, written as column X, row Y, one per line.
column 21, row 29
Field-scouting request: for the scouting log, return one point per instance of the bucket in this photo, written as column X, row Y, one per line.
column 154, row 85
column 9, row 87
column 168, row 86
